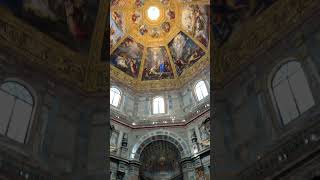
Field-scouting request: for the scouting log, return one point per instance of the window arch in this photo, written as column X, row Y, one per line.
column 115, row 96
column 291, row 91
column 200, row 90
column 158, row 105
column 16, row 108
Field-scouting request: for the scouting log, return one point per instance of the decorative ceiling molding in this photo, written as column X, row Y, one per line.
column 160, row 85
column 259, row 35
column 39, row 49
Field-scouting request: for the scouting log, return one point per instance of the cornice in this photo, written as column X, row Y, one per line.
column 160, row 85
column 259, row 35
column 40, row 50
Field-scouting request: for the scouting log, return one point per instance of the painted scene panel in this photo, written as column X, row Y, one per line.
column 184, row 52
column 127, row 57
column 117, row 28
column 157, row 65
column 195, row 20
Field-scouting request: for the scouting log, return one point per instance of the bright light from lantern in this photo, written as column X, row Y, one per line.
column 153, row 13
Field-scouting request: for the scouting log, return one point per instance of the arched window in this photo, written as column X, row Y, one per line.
column 201, row 90
column 158, row 105
column 115, row 96
column 291, row 91
column 16, row 107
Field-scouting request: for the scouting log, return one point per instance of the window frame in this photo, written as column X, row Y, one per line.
column 274, row 100
column 164, row 105
column 195, row 89
column 31, row 92
column 120, row 99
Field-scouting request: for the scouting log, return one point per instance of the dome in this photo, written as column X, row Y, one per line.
column 158, row 45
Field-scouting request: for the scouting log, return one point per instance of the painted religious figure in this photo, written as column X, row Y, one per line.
column 143, row 29
column 165, row 27
column 118, row 3
column 127, row 57
column 157, row 65
column 139, row 3
column 170, row 14
column 155, row 33
column 136, row 17
column 195, row 20
column 185, row 52
column 118, row 19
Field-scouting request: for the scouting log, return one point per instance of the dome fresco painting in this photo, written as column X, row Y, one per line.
column 155, row 40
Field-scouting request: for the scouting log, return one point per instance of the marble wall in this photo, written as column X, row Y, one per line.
column 182, row 134
column 247, row 123
column 59, row 137
column 137, row 106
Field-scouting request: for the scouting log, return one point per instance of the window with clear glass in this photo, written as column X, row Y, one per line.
column 201, row 90
column 158, row 105
column 16, row 107
column 291, row 91
column 115, row 96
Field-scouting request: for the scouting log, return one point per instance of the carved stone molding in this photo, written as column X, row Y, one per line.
column 292, row 153
column 259, row 35
column 40, row 51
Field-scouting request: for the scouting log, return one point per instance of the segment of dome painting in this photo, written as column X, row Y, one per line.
column 127, row 57
column 153, row 32
column 184, row 52
column 195, row 21
column 118, row 3
column 117, row 27
column 157, row 65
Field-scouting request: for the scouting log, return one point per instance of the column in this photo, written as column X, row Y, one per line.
column 124, row 145
column 119, row 143
column 113, row 170
column 133, row 171
column 187, row 170
column 198, row 137
column 207, row 172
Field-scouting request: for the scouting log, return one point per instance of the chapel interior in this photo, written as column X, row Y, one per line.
column 159, row 89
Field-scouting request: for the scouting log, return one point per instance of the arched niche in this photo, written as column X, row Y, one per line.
column 157, row 135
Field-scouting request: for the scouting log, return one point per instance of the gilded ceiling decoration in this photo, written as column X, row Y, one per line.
column 156, row 44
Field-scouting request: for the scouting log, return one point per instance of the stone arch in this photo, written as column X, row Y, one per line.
column 157, row 135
